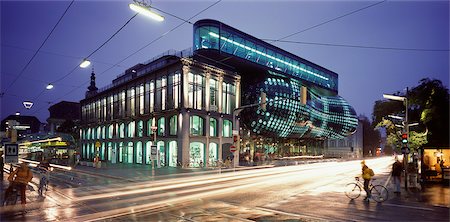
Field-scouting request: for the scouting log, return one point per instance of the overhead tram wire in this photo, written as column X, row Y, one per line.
column 164, row 34
column 328, row 21
column 362, row 46
column 37, row 51
column 98, row 48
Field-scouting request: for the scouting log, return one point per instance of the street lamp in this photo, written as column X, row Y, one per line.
column 49, row 86
column 144, row 9
column 405, row 128
column 27, row 104
column 85, row 63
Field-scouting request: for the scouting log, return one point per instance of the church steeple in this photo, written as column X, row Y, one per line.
column 92, row 89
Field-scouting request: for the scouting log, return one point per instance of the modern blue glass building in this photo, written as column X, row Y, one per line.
column 302, row 97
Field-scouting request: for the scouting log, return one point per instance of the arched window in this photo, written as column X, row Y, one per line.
column 139, row 152
column 212, row 127
column 122, row 130
column 173, row 153
column 196, row 126
column 99, row 132
column 161, row 126
column 110, row 131
column 131, row 129
column 121, row 152
column 140, row 128
column 196, row 154
column 173, row 125
column 227, row 128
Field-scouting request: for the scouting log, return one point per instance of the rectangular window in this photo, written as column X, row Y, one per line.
column 152, row 96
column 163, row 93
column 176, row 89
column 111, row 108
column 141, row 99
column 228, row 98
column 196, row 91
column 213, row 94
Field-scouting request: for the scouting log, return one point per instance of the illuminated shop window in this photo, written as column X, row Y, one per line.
column 196, row 154
column 128, row 157
column 148, row 146
column 213, row 154
column 173, row 153
column 121, row 153
column 139, row 152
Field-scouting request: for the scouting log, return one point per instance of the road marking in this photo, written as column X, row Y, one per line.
column 295, row 215
column 410, row 207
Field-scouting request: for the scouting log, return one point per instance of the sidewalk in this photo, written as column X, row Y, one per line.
column 431, row 193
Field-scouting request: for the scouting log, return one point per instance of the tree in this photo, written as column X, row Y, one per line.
column 69, row 127
column 432, row 98
column 428, row 105
column 371, row 137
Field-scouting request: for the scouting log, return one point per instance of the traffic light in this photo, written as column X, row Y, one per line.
column 404, row 138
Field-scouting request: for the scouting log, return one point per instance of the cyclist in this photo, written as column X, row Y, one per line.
column 44, row 168
column 19, row 178
column 367, row 174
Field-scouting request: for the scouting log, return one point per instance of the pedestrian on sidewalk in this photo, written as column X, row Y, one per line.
column 367, row 175
column 397, row 169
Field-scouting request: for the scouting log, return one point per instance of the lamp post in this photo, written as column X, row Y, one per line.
column 405, row 128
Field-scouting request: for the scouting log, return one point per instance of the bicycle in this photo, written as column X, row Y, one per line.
column 13, row 196
column 379, row 192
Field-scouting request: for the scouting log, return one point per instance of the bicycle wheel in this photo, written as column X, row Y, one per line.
column 379, row 193
column 352, row 190
column 12, row 198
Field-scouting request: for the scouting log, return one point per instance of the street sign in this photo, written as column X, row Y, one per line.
column 154, row 128
column 153, row 152
column 233, row 149
column 11, row 153
column 97, row 144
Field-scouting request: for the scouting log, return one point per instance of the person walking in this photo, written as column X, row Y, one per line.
column 19, row 178
column 367, row 175
column 397, row 169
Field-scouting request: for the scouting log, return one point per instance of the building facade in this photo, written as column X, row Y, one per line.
column 187, row 103
column 291, row 105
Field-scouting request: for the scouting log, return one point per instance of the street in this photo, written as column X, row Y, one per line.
column 308, row 192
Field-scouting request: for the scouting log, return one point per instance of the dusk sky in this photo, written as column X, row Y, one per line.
column 379, row 49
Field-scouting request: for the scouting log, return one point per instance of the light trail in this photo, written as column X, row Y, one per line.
column 35, row 163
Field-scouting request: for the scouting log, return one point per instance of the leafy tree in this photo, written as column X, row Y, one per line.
column 432, row 98
column 428, row 104
column 69, row 127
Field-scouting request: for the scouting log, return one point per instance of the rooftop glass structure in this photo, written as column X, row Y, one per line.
column 210, row 34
